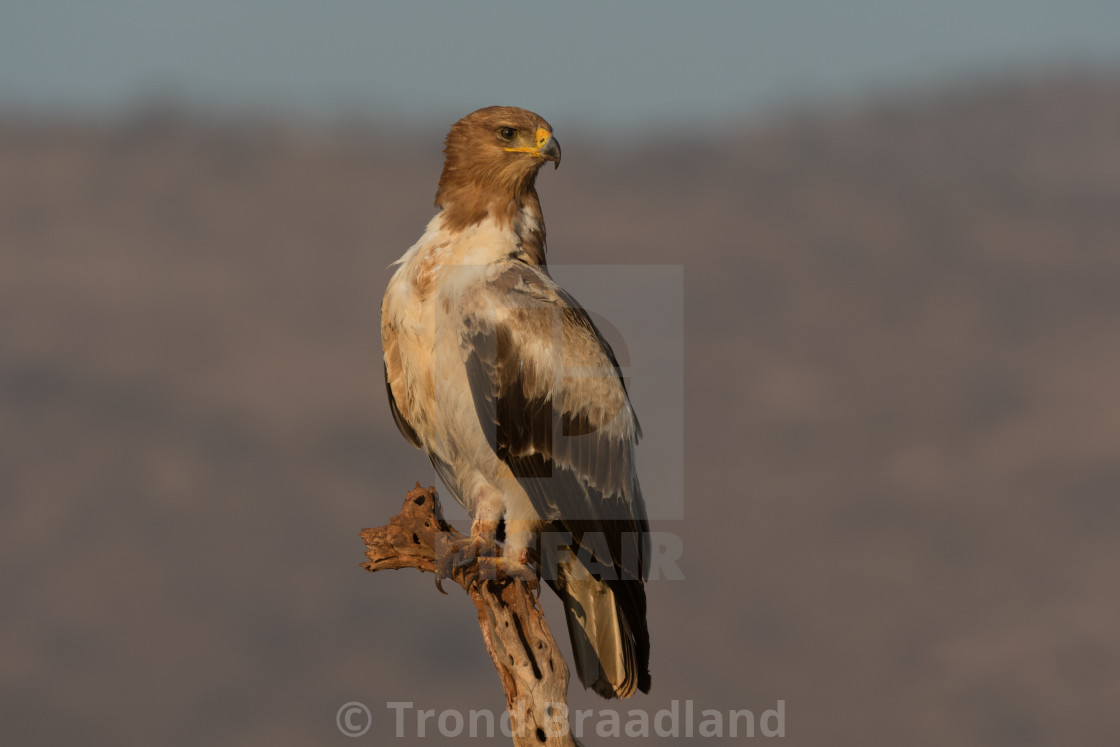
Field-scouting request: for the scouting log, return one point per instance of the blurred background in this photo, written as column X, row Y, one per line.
column 897, row 227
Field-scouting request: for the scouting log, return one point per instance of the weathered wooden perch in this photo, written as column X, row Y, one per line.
column 530, row 666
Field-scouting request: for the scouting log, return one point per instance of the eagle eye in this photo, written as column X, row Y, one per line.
column 506, row 133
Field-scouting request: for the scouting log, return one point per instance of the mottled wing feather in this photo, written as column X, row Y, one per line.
column 548, row 388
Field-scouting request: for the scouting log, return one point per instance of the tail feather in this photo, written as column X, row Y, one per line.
column 607, row 624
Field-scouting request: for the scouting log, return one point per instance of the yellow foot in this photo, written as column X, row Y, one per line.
column 479, row 559
column 460, row 555
column 493, row 569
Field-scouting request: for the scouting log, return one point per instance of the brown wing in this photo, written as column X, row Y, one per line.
column 548, row 388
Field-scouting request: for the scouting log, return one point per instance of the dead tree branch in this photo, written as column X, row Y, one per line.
column 530, row 666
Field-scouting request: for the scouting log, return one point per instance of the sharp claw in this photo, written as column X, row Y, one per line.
column 470, row 562
column 520, row 573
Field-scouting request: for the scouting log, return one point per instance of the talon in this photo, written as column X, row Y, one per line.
column 452, row 558
column 466, row 561
column 471, row 578
column 472, row 560
column 458, row 560
column 518, row 571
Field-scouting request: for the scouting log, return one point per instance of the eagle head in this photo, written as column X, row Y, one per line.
column 503, row 138
column 492, row 156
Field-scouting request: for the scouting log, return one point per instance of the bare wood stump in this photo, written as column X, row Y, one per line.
column 532, row 671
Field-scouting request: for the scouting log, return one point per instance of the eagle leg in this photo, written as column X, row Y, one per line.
column 516, row 561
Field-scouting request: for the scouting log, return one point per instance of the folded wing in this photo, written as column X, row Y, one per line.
column 549, row 391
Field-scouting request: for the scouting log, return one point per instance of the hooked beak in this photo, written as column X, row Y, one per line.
column 546, row 147
column 550, row 149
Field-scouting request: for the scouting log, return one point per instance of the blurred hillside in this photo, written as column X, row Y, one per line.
column 902, row 443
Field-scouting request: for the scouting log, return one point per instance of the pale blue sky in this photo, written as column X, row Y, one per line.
column 659, row 63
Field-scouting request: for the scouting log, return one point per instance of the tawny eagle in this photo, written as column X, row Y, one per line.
column 502, row 378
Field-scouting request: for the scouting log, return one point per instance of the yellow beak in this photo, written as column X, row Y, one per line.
column 546, row 147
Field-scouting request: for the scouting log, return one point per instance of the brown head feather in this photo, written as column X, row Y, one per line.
column 482, row 178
